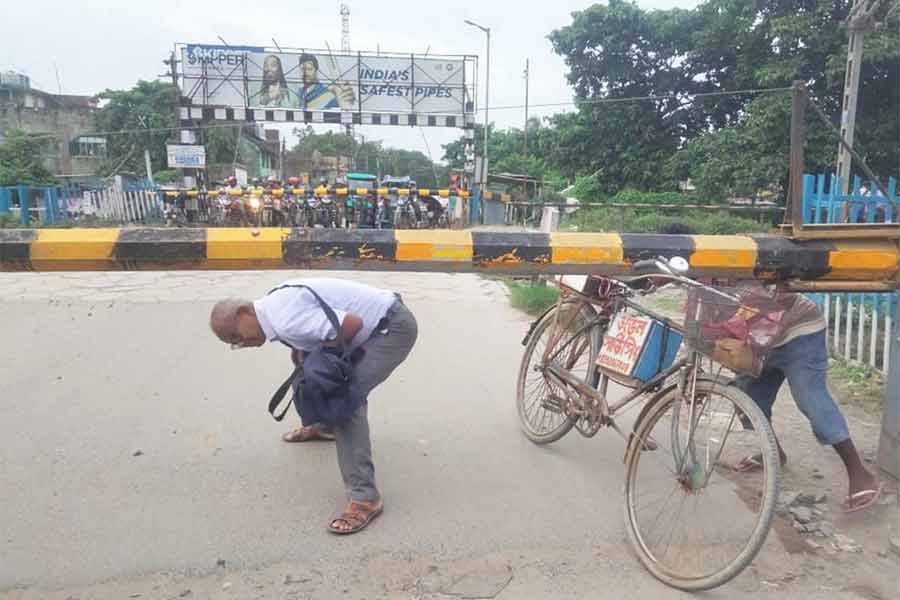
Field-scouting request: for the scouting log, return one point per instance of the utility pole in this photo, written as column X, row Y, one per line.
column 861, row 20
column 487, row 104
column 172, row 63
column 526, row 106
column 345, row 47
column 799, row 99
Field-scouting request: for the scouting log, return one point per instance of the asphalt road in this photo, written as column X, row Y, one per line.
column 137, row 457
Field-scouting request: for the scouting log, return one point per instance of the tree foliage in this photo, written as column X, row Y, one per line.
column 655, row 103
column 22, row 159
column 372, row 156
column 140, row 118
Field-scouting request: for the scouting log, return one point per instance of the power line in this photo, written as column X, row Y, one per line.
column 589, row 102
column 650, row 98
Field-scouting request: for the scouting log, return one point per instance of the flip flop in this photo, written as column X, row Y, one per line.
column 748, row 464
column 358, row 516
column 309, row 433
column 874, row 494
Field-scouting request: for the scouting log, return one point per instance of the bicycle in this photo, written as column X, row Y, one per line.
column 676, row 455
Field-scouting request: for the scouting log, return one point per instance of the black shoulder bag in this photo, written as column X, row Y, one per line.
column 324, row 387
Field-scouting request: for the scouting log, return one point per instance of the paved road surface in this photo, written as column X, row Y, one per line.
column 137, row 457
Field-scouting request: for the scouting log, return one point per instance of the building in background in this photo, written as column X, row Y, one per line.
column 74, row 153
column 258, row 155
column 314, row 167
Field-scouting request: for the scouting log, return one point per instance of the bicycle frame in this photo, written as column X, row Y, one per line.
column 586, row 396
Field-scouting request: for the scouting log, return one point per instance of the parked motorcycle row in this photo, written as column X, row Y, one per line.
column 293, row 205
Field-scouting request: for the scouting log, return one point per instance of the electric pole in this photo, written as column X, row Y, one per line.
column 526, row 106
column 861, row 20
column 345, row 47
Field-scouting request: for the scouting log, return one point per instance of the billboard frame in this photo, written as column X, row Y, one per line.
column 191, row 110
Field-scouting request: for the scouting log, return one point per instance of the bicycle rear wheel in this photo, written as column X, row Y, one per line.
column 694, row 522
column 541, row 403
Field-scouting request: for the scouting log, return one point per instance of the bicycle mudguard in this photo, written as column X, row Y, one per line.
column 541, row 316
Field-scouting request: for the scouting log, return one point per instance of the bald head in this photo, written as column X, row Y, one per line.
column 234, row 321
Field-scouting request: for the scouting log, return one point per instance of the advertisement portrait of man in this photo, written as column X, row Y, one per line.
column 315, row 95
column 273, row 91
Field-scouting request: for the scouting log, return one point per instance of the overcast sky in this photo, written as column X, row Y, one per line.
column 99, row 44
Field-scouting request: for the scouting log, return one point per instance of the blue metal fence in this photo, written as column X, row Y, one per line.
column 55, row 205
column 858, row 324
column 823, row 201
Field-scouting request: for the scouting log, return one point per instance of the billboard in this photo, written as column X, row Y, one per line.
column 253, row 77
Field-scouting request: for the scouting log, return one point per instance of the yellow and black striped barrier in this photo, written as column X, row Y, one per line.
column 850, row 264
column 323, row 191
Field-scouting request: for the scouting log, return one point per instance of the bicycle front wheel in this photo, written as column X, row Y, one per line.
column 694, row 522
column 540, row 402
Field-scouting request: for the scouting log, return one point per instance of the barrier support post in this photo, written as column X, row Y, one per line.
column 889, row 441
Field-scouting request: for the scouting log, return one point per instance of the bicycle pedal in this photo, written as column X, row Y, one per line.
column 555, row 404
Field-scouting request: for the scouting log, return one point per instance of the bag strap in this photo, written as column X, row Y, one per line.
column 279, row 394
column 329, row 312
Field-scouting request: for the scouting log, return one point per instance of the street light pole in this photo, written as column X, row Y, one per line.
column 487, row 104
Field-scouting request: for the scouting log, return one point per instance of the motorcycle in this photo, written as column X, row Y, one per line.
column 405, row 213
column 327, row 213
column 294, row 208
column 254, row 210
column 173, row 211
column 348, row 211
column 384, row 216
column 366, row 211
column 234, row 208
column 278, row 212
column 311, row 210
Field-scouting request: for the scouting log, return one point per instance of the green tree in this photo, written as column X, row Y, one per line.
column 142, row 118
column 21, row 159
column 619, row 51
column 222, row 145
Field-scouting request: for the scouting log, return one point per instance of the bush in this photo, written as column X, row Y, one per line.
column 631, row 196
column 166, row 176
column 533, row 298
column 9, row 220
column 648, row 221
column 552, row 197
column 587, row 189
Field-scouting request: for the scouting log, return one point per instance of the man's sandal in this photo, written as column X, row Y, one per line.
column 357, row 516
column 309, row 433
column 752, row 463
column 866, row 498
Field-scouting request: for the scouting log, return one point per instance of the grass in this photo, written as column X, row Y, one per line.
column 666, row 304
column 533, row 298
column 856, row 383
column 648, row 221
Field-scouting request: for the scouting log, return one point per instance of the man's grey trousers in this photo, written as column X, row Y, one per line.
column 384, row 353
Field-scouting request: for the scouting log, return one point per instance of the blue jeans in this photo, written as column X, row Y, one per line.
column 804, row 363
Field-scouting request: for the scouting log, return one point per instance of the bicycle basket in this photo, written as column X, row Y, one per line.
column 735, row 327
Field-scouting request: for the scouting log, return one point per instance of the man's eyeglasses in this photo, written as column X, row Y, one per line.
column 236, row 343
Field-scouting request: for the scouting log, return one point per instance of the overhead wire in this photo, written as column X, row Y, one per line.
column 585, row 102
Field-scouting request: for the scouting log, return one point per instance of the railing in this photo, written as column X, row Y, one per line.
column 55, row 205
column 858, row 324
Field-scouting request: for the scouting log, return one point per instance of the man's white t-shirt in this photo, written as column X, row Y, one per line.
column 293, row 315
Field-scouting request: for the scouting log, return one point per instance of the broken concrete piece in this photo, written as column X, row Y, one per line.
column 802, row 514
